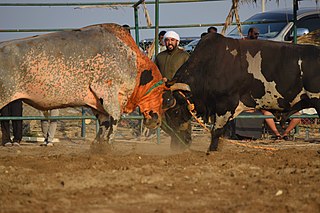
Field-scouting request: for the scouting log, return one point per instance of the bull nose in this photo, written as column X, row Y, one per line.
column 154, row 115
column 152, row 122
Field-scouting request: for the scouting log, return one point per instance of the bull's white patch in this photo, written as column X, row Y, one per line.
column 234, row 52
column 313, row 95
column 271, row 94
column 300, row 66
column 240, row 108
column 297, row 98
column 222, row 120
column 304, row 91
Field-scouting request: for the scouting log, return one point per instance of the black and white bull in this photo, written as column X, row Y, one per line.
column 99, row 66
column 227, row 76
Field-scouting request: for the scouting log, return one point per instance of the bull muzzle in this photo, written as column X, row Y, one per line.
column 152, row 120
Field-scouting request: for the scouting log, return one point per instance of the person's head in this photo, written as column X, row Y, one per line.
column 203, row 34
column 253, row 33
column 161, row 36
column 171, row 40
column 127, row 27
column 212, row 30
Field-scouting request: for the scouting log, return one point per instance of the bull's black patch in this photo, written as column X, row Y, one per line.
column 258, row 90
column 304, row 96
column 146, row 77
column 283, row 103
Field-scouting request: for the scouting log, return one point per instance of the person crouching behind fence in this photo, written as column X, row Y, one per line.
column 49, row 127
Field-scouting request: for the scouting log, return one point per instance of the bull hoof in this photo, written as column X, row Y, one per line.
column 211, row 151
column 212, row 148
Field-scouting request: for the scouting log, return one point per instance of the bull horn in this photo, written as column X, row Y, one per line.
column 180, row 86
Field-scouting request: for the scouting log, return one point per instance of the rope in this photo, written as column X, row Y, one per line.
column 180, row 139
column 252, row 146
column 191, row 109
column 146, row 14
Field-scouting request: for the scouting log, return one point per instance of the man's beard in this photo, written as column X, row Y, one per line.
column 171, row 47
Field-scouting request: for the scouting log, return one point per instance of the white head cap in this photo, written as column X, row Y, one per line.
column 172, row 34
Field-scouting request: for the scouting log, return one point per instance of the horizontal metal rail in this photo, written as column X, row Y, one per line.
column 62, row 117
column 47, row 118
column 271, row 116
column 141, row 27
column 131, row 117
column 83, row 132
column 96, row 3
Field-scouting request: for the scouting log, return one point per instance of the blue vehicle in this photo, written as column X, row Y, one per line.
column 190, row 47
column 281, row 26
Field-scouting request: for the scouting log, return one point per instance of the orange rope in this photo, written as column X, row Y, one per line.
column 192, row 109
column 252, row 146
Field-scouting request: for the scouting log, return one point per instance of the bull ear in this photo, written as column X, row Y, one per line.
column 168, row 100
column 180, row 86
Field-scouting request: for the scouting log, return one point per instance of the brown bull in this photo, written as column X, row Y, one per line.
column 99, row 66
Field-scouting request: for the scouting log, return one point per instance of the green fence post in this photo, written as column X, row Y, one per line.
column 295, row 8
column 156, row 32
column 136, row 25
column 83, row 123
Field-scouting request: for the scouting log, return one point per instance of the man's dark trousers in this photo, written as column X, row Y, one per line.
column 12, row 109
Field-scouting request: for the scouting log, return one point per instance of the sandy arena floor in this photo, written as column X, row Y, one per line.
column 143, row 176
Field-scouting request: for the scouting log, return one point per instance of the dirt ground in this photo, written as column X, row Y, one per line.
column 138, row 175
column 143, row 176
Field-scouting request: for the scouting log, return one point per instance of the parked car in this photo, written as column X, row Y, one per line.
column 190, row 47
column 308, row 20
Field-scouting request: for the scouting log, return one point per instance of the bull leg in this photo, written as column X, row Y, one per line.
column 215, row 135
column 107, row 130
column 112, row 125
column 105, row 127
column 218, row 130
